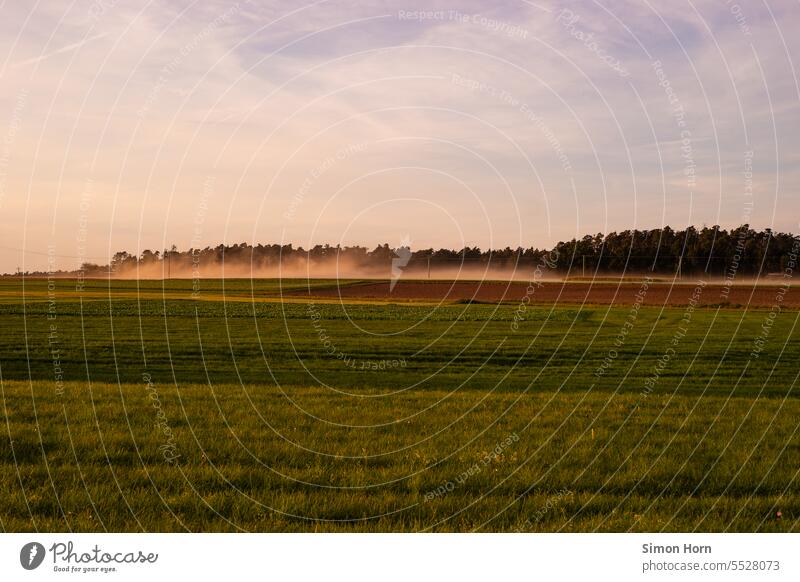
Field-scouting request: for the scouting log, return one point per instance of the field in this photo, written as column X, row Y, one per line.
column 552, row 292
column 310, row 406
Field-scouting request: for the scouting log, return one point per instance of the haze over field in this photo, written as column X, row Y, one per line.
column 712, row 254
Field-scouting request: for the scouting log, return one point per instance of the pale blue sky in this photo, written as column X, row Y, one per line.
column 141, row 124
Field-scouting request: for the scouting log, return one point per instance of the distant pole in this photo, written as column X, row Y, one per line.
column 429, row 268
column 169, row 266
column 583, row 269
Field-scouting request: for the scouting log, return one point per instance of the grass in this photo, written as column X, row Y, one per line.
column 222, row 414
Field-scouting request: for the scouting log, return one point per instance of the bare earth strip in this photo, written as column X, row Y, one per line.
column 561, row 292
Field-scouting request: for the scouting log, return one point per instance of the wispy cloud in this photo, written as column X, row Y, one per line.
column 62, row 50
column 468, row 107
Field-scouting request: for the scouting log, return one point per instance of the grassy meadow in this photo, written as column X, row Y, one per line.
column 142, row 406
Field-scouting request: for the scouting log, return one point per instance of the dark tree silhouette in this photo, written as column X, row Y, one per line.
column 709, row 250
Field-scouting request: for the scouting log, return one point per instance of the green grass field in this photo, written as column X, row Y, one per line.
column 136, row 406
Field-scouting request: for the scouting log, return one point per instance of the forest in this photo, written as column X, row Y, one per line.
column 710, row 250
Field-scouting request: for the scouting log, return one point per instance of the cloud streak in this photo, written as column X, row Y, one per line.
column 256, row 96
column 62, row 50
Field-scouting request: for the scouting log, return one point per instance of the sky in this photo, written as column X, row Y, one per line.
column 132, row 125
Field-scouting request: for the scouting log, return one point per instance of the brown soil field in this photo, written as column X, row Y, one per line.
column 713, row 294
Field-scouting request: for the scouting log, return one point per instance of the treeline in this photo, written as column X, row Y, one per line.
column 707, row 250
column 711, row 250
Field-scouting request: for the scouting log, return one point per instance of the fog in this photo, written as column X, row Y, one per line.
column 333, row 269
column 344, row 269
